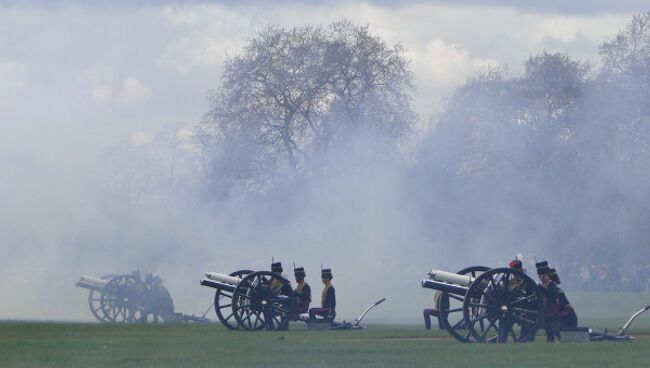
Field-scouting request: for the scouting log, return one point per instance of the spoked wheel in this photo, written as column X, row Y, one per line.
column 450, row 307
column 223, row 303
column 262, row 300
column 122, row 300
column 94, row 302
column 501, row 304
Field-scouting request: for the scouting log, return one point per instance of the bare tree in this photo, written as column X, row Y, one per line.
column 370, row 85
column 553, row 83
column 293, row 93
column 630, row 51
column 625, row 90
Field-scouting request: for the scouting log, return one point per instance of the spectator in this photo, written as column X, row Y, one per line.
column 602, row 277
column 585, row 277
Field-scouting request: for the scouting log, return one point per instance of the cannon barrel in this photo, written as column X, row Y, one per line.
column 91, row 283
column 223, row 278
column 93, row 280
column 449, row 288
column 450, row 277
column 218, row 285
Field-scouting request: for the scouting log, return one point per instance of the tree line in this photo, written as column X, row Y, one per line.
column 554, row 155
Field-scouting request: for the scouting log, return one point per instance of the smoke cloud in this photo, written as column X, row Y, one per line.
column 547, row 160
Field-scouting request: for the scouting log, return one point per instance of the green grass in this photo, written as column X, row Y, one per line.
column 95, row 345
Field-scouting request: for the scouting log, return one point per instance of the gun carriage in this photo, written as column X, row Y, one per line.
column 129, row 299
column 479, row 304
column 251, row 300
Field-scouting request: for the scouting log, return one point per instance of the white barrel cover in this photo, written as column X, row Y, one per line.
column 94, row 280
column 450, row 277
column 226, row 279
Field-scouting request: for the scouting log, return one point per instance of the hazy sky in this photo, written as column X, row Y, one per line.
column 107, row 70
column 76, row 77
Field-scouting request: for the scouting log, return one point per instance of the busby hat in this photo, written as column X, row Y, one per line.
column 299, row 273
column 542, row 268
column 276, row 267
column 326, row 273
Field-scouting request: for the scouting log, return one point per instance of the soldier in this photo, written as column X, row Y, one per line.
column 136, row 274
column 285, row 289
column 302, row 292
column 165, row 302
column 517, row 282
column 276, row 267
column 558, row 312
column 328, row 298
column 435, row 312
column 159, row 299
column 148, row 279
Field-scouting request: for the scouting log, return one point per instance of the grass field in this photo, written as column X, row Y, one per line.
column 95, row 345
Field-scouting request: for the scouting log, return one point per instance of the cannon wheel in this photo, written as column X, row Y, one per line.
column 94, row 302
column 450, row 307
column 121, row 301
column 260, row 301
column 503, row 303
column 223, row 303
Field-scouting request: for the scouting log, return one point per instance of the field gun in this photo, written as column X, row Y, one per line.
column 251, row 300
column 479, row 304
column 129, row 299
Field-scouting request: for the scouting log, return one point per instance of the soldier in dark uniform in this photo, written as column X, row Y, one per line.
column 435, row 312
column 518, row 282
column 328, row 299
column 558, row 312
column 285, row 289
column 164, row 298
column 276, row 267
column 302, row 292
column 158, row 299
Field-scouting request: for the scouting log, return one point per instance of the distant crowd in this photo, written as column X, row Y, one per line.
column 605, row 277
